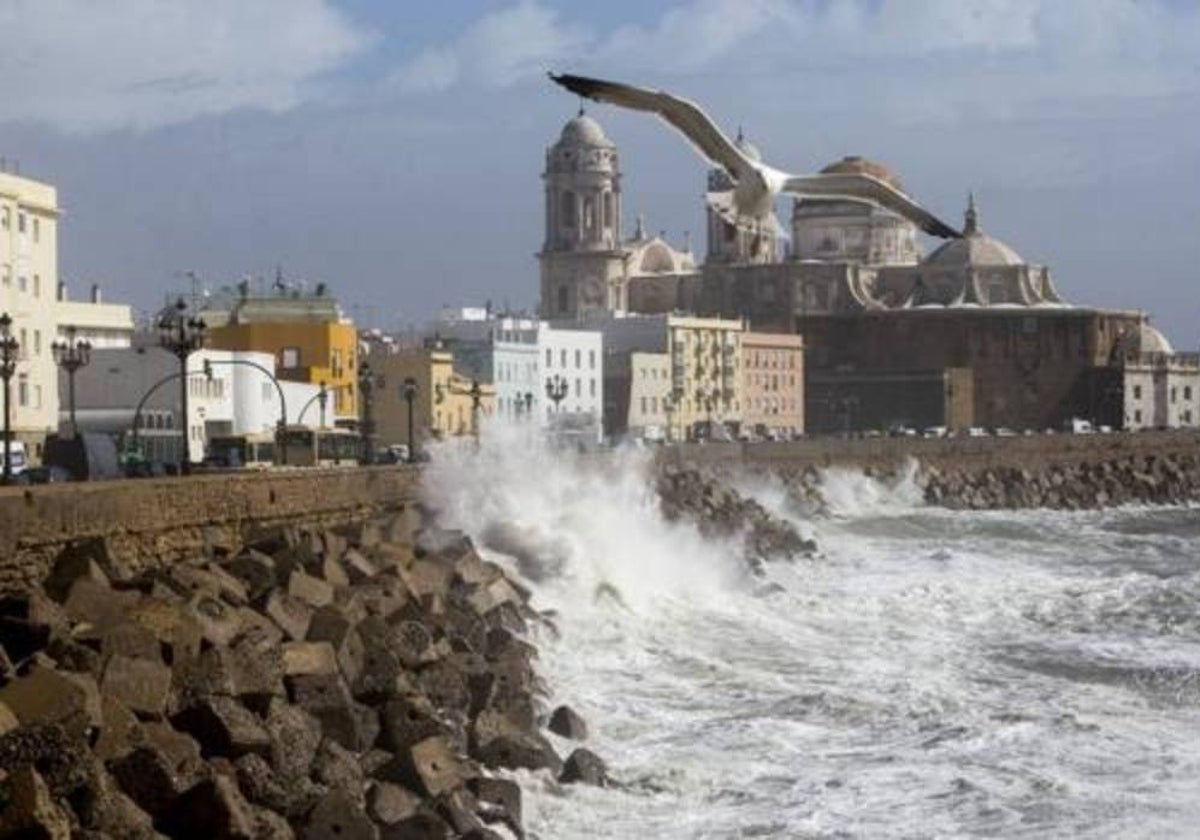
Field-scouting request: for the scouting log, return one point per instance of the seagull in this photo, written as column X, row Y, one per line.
column 756, row 184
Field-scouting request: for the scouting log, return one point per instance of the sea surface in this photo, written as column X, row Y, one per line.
column 932, row 674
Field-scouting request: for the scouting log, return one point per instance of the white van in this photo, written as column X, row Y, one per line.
column 16, row 457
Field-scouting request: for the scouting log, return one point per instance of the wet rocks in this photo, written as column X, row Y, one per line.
column 363, row 682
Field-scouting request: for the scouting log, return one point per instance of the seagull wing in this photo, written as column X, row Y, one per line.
column 866, row 188
column 684, row 116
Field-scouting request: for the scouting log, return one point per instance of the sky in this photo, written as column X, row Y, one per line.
column 393, row 150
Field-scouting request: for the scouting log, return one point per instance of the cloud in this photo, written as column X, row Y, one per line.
column 82, row 66
column 500, row 48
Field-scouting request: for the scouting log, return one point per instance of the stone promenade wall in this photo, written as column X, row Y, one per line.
column 160, row 520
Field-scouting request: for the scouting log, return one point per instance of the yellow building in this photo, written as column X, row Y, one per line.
column 443, row 405
column 308, row 337
column 706, row 374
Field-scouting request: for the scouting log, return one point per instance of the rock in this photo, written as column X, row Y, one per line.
column 457, row 808
column 60, row 756
column 260, row 785
column 565, row 722
column 333, row 573
column 178, row 633
column 413, row 643
column 309, row 658
column 291, row 614
column 213, row 808
column 407, row 720
column 338, row 816
column 223, row 727
column 389, row 803
column 255, row 570
column 141, row 685
column 497, row 742
column 257, row 630
column 219, row 622
column 96, row 603
column 499, row 801
column 27, row 809
column 78, row 559
column 44, row 696
column 129, row 639
column 117, row 728
column 426, row 577
column 584, row 766
column 327, row 698
column 357, row 567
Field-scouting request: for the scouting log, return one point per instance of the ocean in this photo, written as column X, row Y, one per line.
column 930, row 674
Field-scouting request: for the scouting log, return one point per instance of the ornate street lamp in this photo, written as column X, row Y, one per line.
column 528, row 397
column 366, row 390
column 180, row 336
column 9, row 349
column 71, row 355
column 556, row 389
column 409, row 390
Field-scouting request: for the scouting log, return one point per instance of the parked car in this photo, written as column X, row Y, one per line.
column 935, row 432
column 51, row 474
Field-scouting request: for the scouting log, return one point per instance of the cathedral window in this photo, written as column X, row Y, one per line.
column 608, row 209
column 589, row 214
column 568, row 208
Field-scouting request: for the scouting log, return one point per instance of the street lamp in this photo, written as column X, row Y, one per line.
column 181, row 336
column 8, row 366
column 71, row 355
column 410, row 394
column 322, row 399
column 366, row 389
column 556, row 389
column 528, row 396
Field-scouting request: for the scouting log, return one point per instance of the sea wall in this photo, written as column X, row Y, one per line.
column 152, row 521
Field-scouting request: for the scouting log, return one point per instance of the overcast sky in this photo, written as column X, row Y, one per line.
column 393, row 149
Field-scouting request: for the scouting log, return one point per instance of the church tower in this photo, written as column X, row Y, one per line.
column 582, row 261
column 729, row 241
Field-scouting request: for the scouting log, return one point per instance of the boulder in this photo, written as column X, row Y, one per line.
column 565, row 722
column 586, row 767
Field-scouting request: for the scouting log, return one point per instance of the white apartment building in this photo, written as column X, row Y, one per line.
column 571, row 365
column 1159, row 387
column 28, row 279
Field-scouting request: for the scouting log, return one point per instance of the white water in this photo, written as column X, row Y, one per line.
column 933, row 674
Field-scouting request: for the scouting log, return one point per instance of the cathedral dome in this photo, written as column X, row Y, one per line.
column 855, row 165
column 584, row 131
column 974, row 247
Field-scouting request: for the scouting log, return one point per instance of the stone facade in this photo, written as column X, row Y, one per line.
column 773, row 373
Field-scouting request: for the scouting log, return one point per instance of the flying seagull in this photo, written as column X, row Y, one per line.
column 756, row 183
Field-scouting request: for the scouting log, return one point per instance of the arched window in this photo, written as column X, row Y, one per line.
column 562, row 299
column 589, row 213
column 568, row 208
column 608, row 209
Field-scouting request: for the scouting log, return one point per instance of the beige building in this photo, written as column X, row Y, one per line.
column 443, row 405
column 773, row 384
column 706, row 377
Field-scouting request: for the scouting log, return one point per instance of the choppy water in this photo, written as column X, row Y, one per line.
column 933, row 674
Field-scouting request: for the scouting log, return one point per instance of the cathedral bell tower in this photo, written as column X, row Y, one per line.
column 730, row 239
column 582, row 261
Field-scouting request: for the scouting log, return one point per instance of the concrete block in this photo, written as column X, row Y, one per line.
column 327, row 698
column 426, row 577
column 338, row 816
column 27, row 623
column 149, row 778
column 223, row 727
column 97, row 603
column 436, row 768
column 219, row 623
column 78, row 559
column 294, row 737
column 357, row 567
column 309, row 658
column 499, row 801
column 457, row 808
column 486, row 597
column 423, row 825
column 130, row 639
column 256, row 629
column 28, row 809
column 336, row 767
column 178, row 633
column 291, row 614
column 8, row 720
column 44, row 696
column 256, row 570
column 497, row 742
column 142, row 685
column 389, row 803
column 313, row 591
column 212, row 808
column 406, row 721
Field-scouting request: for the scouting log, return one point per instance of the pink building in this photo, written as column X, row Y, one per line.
column 773, row 371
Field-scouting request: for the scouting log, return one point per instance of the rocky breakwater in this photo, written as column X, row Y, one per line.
column 708, row 498
column 1167, row 478
column 356, row 683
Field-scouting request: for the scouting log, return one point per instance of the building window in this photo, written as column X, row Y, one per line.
column 562, row 299
column 1187, row 392
column 568, row 209
column 549, row 357
column 23, row 283
column 23, row 390
column 1137, row 416
column 37, row 342
column 37, row 396
column 643, row 405
column 578, row 389
column 7, row 275
column 289, row 357
column 6, row 219
column 1137, row 392
column 562, row 358
column 1173, row 396
column 20, row 223
column 592, row 359
column 592, row 387
column 578, row 359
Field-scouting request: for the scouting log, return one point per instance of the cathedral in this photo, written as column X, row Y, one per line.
column 970, row 334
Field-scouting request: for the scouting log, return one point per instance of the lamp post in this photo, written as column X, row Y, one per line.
column 556, row 389
column 322, row 399
column 366, row 389
column 71, row 355
column 9, row 349
column 528, row 397
column 319, row 398
column 476, row 395
column 180, row 336
column 410, row 394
